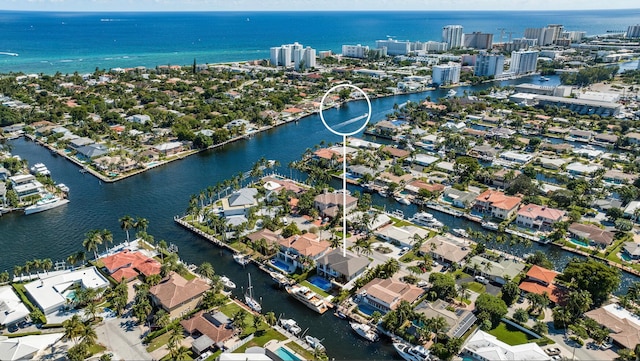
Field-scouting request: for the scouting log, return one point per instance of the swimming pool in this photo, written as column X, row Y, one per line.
column 281, row 265
column 286, row 355
column 71, row 295
column 320, row 282
column 579, row 243
column 366, row 309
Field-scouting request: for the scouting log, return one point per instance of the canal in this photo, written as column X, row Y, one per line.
column 164, row 192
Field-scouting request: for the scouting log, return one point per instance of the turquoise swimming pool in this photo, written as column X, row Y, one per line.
column 286, row 355
column 579, row 242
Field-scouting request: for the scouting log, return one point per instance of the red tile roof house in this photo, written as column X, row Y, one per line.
column 176, row 295
column 128, row 265
column 538, row 217
column 385, row 294
column 295, row 249
column 540, row 280
column 497, row 204
column 214, row 327
column 591, row 234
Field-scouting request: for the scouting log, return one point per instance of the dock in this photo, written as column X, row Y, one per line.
column 444, row 209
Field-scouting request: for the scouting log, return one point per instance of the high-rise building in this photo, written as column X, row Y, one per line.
column 284, row 55
column 306, row 58
column 394, row 47
column 452, row 35
column 489, row 65
column 633, row 31
column 477, row 40
column 446, row 74
column 523, row 61
column 547, row 35
column 355, row 51
column 435, row 46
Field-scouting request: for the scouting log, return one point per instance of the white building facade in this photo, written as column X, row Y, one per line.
column 523, row 61
column 452, row 35
column 446, row 74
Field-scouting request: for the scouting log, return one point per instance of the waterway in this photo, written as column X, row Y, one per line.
column 164, row 192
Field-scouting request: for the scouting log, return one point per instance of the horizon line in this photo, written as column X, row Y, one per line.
column 307, row 10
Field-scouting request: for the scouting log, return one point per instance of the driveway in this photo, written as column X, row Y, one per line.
column 122, row 337
column 490, row 288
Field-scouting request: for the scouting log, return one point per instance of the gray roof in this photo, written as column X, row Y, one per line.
column 632, row 248
column 202, row 343
column 243, row 197
column 92, row 150
column 348, row 266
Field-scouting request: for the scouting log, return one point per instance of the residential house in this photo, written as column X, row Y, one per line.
column 580, row 169
column 343, row 268
column 484, row 152
column 169, row 148
column 329, row 203
column 606, row 139
column 4, row 173
column 581, row 135
column 538, row 217
column 623, row 325
column 497, row 271
column 421, row 161
column 25, row 186
column 3, row 194
column 556, row 147
column 385, row 128
column 591, row 234
column 453, row 126
column 91, row 151
column 517, row 157
column 80, row 142
column 631, row 210
column 360, row 171
column 404, row 236
column 459, row 321
column 396, row 153
column 417, row 185
column 446, row 248
column 128, row 265
column 385, row 294
column 616, row 177
column 552, row 163
column 504, row 177
column 12, row 310
column 139, row 119
column 633, row 138
column 239, row 202
column 269, row 236
column 484, row 346
column 501, row 133
column 497, row 204
column 632, row 250
column 211, row 329
column 540, row 280
column 30, row 347
column 458, row 198
column 176, row 295
column 298, row 250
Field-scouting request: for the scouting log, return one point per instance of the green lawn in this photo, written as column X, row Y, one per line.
column 96, row 348
column 476, row 287
column 314, row 288
column 157, row 342
column 299, row 350
column 230, row 309
column 269, row 334
column 510, row 335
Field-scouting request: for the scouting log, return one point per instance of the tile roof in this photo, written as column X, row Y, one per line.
column 175, row 290
column 396, row 152
column 542, row 274
column 535, row 211
column 306, row 244
column 498, row 199
column 127, row 264
column 201, row 323
column 624, row 326
column 391, row 291
column 534, row 287
column 592, row 233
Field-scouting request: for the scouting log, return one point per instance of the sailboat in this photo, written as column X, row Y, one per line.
column 249, row 300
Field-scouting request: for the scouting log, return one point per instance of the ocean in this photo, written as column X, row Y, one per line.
column 50, row 42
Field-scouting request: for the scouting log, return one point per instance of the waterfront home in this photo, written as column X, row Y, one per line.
column 561, row 131
column 422, row 161
column 580, row 135
column 12, row 310
column 500, row 133
column 458, row 320
column 540, row 280
column 633, row 138
column 446, row 248
column 329, row 154
column 504, row 177
column 269, row 236
column 552, row 163
column 239, row 202
column 30, row 347
column 484, row 152
column 3, row 194
column 430, row 142
column 297, row 250
column 286, row 184
column 587, row 152
column 517, row 157
column 329, row 203
column 404, row 236
column 631, row 249
column 129, row 265
column 25, row 185
column 343, row 268
column 538, row 217
column 386, row 178
column 385, row 128
column 606, row 204
column 176, row 295
column 453, row 126
column 605, row 138
column 484, row 346
column 497, row 204
column 458, row 198
column 4, row 173
column 417, row 185
column 385, row 294
column 80, row 142
column 616, row 177
column 396, row 153
column 580, row 169
column 53, row 292
column 169, row 148
column 88, row 152
column 360, row 171
column 630, row 210
column 623, row 325
column 497, row 271
column 558, row 148
column 590, row 234
column 121, row 164
column 211, row 329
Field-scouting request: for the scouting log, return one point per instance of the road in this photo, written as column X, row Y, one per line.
column 122, row 337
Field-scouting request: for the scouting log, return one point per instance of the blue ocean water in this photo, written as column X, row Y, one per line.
column 51, row 41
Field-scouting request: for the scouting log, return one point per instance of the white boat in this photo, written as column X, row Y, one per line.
column 460, row 232
column 544, row 78
column 314, row 343
column 340, row 315
column 227, row 283
column 307, row 297
column 365, row 331
column 63, row 187
column 48, row 202
column 490, row 225
column 425, row 219
column 241, row 259
column 40, row 169
column 290, row 325
column 411, row 353
column 279, row 278
column 249, row 300
column 451, row 93
column 383, row 193
column 398, row 213
column 402, row 200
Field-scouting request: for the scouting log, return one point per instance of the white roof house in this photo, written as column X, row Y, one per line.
column 522, row 158
column 12, row 310
column 483, row 346
column 424, row 159
column 577, row 168
column 26, row 347
column 405, row 236
column 51, row 293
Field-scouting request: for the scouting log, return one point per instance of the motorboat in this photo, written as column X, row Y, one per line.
column 544, row 78
column 426, row 219
column 411, row 353
column 249, row 300
column 460, row 232
column 307, row 297
column 402, row 200
column 490, row 225
column 227, row 283
column 451, row 93
column 279, row 278
column 63, row 187
column 314, row 343
column 241, row 259
column 48, row 202
column 365, row 331
column 40, row 169
column 290, row 325
column 340, row 315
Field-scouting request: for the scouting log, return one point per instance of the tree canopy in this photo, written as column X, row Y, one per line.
column 594, row 277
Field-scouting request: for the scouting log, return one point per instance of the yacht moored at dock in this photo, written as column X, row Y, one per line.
column 490, row 225
column 279, row 278
column 241, row 259
column 460, row 232
column 314, row 343
column 411, row 353
column 425, row 219
column 365, row 331
column 40, row 169
column 290, row 325
column 46, row 203
column 249, row 300
column 227, row 283
column 307, row 297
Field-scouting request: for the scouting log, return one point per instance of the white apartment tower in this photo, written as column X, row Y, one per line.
column 284, row 55
column 633, row 31
column 355, row 51
column 394, row 47
column 446, row 74
column 305, row 58
column 523, row 61
column 452, row 35
column 489, row 65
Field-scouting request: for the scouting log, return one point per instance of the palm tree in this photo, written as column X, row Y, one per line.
column 270, row 317
column 91, row 242
column 162, row 246
column 47, row 264
column 73, row 327
column 438, row 325
column 92, row 309
column 126, row 223
column 464, row 291
column 540, row 328
column 17, row 271
column 206, row 270
column 141, row 224
column 107, row 237
column 161, row 318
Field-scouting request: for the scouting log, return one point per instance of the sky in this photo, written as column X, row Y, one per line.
column 309, row 5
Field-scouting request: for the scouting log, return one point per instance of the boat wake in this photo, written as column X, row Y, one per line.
column 8, row 54
column 351, row 121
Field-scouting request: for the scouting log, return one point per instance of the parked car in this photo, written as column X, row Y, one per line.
column 24, row 323
column 481, row 279
column 556, row 358
column 552, row 351
column 13, row 328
